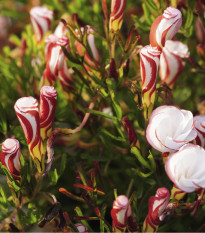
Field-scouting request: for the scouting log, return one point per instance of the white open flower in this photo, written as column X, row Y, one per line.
column 186, row 168
column 170, row 128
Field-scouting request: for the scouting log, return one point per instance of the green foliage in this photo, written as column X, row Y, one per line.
column 96, row 161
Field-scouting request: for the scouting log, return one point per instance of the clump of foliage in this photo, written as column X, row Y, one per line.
column 97, row 149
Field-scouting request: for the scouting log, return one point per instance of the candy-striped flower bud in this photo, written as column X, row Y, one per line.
column 65, row 77
column 55, row 57
column 60, row 30
column 116, row 16
column 48, row 96
column 120, row 212
column 200, row 31
column 165, row 27
column 170, row 128
column 149, row 62
column 81, row 228
column 27, row 112
column 41, row 18
column 199, row 125
column 91, row 42
column 171, row 64
column 157, row 205
column 10, row 157
column 186, row 168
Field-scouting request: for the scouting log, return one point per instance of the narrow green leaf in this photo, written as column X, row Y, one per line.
column 138, row 155
column 84, row 222
column 104, row 131
column 98, row 113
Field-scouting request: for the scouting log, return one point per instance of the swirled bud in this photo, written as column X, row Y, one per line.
column 41, row 18
column 199, row 125
column 120, row 212
column 91, row 41
column 60, row 30
column 149, row 61
column 157, row 205
column 81, row 228
column 186, row 168
column 48, row 96
column 10, row 157
column 27, row 112
column 165, row 27
column 65, row 77
column 200, row 31
column 170, row 128
column 116, row 16
column 171, row 64
column 54, row 57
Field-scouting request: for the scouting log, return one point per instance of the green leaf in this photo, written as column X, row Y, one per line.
column 152, row 161
column 4, row 198
column 142, row 174
column 102, row 114
column 116, row 106
column 146, row 14
column 3, row 123
column 84, row 222
column 104, row 131
column 189, row 19
column 53, row 175
column 138, row 155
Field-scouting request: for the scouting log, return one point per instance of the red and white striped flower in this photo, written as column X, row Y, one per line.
column 149, row 62
column 165, row 27
column 171, row 64
column 186, row 168
column 199, row 125
column 170, row 128
column 157, row 205
column 10, row 157
column 65, row 77
column 41, row 18
column 116, row 16
column 55, row 57
column 120, row 212
column 81, row 228
column 60, row 30
column 48, row 96
column 91, row 42
column 27, row 112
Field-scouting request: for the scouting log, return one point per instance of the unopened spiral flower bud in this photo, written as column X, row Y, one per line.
column 149, row 61
column 48, row 96
column 157, row 205
column 116, row 16
column 55, row 57
column 91, row 42
column 171, row 64
column 199, row 125
column 120, row 212
column 165, row 27
column 10, row 157
column 41, row 18
column 27, row 112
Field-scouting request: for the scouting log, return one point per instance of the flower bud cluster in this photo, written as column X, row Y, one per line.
column 37, row 125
